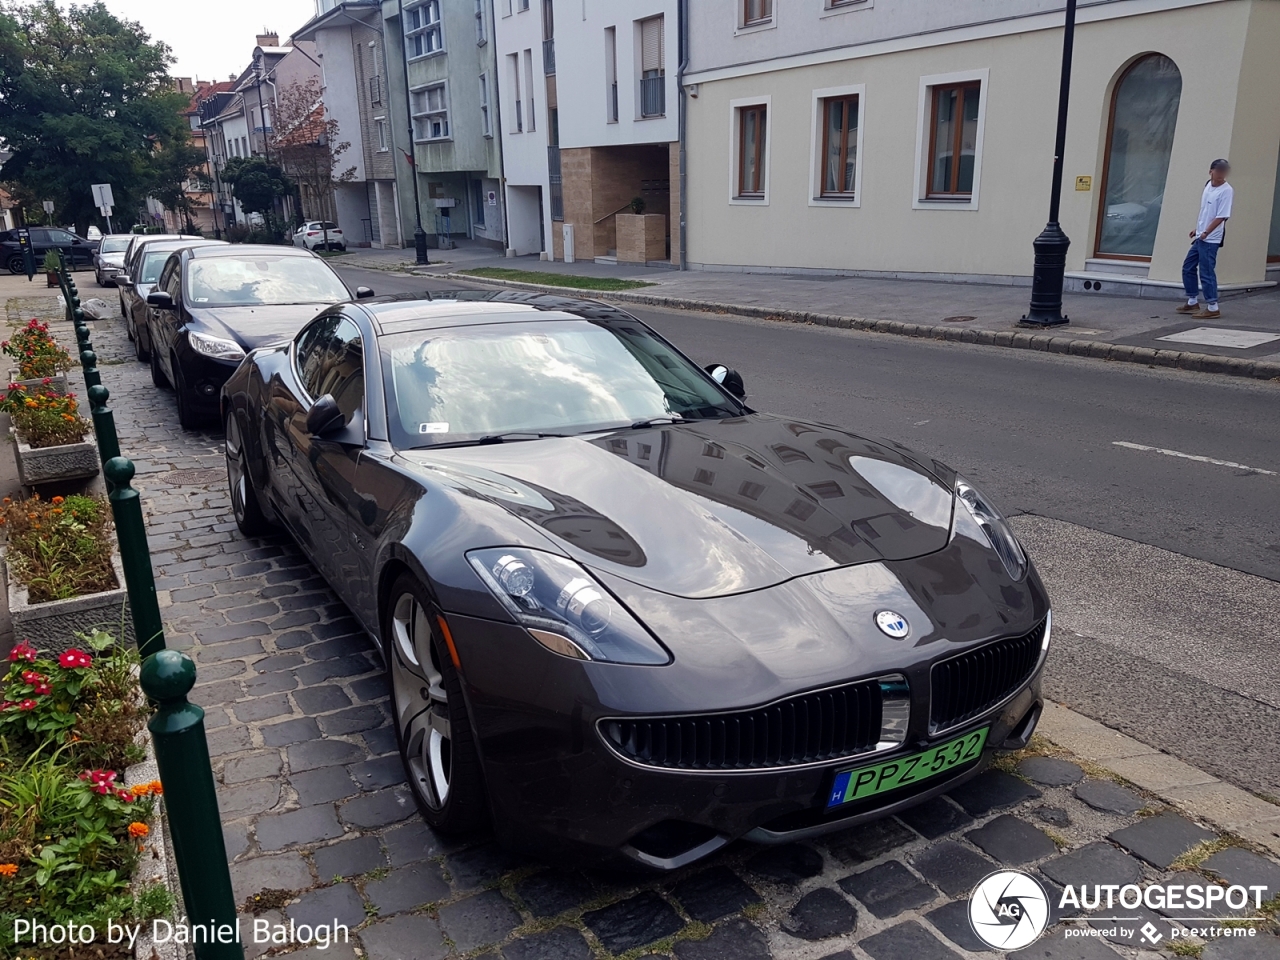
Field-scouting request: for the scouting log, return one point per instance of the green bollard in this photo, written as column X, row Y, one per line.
column 182, row 754
column 104, row 423
column 135, row 555
column 89, row 363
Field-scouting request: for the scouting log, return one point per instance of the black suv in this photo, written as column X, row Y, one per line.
column 77, row 250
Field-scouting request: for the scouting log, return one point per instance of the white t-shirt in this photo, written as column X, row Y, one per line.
column 1214, row 203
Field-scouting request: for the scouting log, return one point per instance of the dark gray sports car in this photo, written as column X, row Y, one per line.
column 622, row 612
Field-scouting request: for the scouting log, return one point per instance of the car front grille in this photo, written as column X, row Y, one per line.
column 975, row 681
column 808, row 728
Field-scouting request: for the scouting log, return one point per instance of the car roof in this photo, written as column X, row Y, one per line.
column 170, row 245
column 250, row 250
column 409, row 312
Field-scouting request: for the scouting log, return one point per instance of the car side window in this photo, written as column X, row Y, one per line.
column 39, row 236
column 166, row 281
column 330, row 356
column 61, row 237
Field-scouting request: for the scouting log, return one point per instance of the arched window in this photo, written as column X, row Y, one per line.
column 1144, row 112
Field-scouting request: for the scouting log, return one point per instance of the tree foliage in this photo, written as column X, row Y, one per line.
column 86, row 98
column 256, row 183
column 306, row 141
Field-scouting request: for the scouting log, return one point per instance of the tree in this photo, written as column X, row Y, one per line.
column 85, row 98
column 257, row 184
column 172, row 169
column 306, row 141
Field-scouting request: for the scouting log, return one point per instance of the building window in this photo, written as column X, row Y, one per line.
column 1144, row 112
column 751, row 152
column 529, row 88
column 1273, row 241
column 481, row 36
column 839, row 147
column 485, row 124
column 423, row 31
column 524, row 5
column 384, row 141
column 430, row 108
column 953, row 141
column 375, row 89
column 611, row 74
column 756, row 11
column 517, row 118
column 841, row 4
column 653, row 84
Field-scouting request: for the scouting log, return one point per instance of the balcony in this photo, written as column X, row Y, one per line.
column 653, row 96
column 549, row 56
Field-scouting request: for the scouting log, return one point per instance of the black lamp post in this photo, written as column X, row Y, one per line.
column 419, row 234
column 1051, row 246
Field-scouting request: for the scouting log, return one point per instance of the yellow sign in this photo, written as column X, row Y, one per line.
column 1084, row 183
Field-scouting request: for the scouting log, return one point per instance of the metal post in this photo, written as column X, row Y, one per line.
column 135, row 557
column 104, row 423
column 1051, row 246
column 182, row 754
column 419, row 234
column 89, row 363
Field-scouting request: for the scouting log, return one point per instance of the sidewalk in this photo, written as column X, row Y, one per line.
column 1244, row 342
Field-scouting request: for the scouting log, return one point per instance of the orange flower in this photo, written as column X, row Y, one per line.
column 8, row 869
column 156, row 787
column 138, row 829
column 58, row 500
column 141, row 790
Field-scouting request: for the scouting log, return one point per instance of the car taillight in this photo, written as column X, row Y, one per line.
column 313, row 234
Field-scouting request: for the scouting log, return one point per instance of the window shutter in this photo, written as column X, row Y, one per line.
column 651, row 44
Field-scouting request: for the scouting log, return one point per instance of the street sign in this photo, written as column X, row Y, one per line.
column 105, row 211
column 48, row 207
column 102, row 195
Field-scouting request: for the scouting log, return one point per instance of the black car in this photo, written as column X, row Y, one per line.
column 139, row 279
column 214, row 303
column 77, row 250
column 622, row 612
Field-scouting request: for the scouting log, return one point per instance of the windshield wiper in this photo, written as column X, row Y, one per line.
column 641, row 424
column 517, row 435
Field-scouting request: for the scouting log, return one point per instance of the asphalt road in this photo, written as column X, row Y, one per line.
column 1130, row 532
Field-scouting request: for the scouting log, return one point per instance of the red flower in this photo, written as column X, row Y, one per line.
column 27, row 705
column 47, row 380
column 7, row 704
column 124, row 795
column 32, row 677
column 74, row 659
column 23, row 651
column 42, row 688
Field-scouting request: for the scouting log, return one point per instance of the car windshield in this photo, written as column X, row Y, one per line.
column 549, row 376
column 152, row 264
column 114, row 244
column 262, row 280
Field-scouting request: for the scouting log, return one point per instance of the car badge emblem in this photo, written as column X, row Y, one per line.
column 892, row 624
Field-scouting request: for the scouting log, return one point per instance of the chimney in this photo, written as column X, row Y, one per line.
column 268, row 39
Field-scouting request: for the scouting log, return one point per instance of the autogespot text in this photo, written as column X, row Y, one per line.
column 1158, row 896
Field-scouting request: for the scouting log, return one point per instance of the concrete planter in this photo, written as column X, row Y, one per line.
column 641, row 237
column 66, row 461
column 50, row 627
column 57, row 383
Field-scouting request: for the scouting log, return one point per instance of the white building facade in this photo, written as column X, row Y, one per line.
column 892, row 137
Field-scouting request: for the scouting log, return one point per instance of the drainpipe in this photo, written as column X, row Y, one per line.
column 682, row 12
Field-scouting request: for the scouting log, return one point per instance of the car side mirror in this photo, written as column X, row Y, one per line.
column 325, row 417
column 728, row 378
column 161, row 299
column 363, row 293
column 123, row 281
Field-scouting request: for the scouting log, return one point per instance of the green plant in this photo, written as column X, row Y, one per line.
column 549, row 279
column 43, row 418
column 52, row 262
column 637, row 205
column 36, row 351
column 59, row 548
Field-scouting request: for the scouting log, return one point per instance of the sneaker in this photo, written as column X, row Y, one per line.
column 1188, row 308
column 1206, row 314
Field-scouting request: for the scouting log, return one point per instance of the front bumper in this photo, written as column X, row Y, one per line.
column 203, row 377
column 557, row 790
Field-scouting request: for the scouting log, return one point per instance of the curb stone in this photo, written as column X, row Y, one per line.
column 1045, row 343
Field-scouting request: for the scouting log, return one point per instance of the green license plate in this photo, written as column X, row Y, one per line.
column 863, row 782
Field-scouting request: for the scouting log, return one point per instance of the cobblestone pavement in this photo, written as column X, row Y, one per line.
column 314, row 804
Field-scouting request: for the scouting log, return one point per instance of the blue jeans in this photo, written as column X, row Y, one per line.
column 1204, row 257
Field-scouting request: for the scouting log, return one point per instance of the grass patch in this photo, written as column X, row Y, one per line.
column 571, row 281
column 1185, row 948
column 1201, row 852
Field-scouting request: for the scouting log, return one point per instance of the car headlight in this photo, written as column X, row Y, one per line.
column 215, row 347
column 564, row 607
column 998, row 532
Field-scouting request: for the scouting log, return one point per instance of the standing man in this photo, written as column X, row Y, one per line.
column 1206, row 241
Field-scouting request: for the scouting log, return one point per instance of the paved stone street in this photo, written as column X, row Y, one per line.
column 319, row 824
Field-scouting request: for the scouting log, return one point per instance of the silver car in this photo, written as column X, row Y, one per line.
column 109, row 259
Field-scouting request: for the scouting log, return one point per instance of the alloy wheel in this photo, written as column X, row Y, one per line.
column 235, row 468
column 421, row 702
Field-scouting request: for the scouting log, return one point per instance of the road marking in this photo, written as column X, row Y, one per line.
column 1192, row 456
column 921, row 423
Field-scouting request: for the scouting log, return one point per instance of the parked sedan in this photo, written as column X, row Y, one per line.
column 77, row 250
column 212, row 304
column 623, row 613
column 320, row 234
column 109, row 259
column 149, row 259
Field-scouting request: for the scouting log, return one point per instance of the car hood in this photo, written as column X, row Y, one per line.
column 254, row 326
column 713, row 508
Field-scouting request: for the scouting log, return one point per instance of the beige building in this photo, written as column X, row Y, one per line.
column 900, row 138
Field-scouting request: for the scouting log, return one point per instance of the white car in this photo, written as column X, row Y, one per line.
column 314, row 233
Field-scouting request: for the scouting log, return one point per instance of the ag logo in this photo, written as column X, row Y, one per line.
column 1008, row 910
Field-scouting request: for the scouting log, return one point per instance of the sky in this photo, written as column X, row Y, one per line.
column 211, row 41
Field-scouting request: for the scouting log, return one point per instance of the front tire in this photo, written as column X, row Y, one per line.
column 16, row 265
column 244, row 498
column 432, row 727
column 188, row 419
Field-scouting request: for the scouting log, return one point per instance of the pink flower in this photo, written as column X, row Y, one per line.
column 7, row 704
column 27, row 705
column 74, row 659
column 23, row 651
